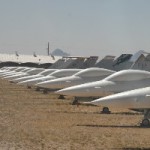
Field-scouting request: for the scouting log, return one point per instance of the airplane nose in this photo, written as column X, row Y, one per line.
column 42, row 84
column 122, row 100
column 106, row 101
column 22, row 83
column 50, row 84
column 66, row 91
column 93, row 89
column 27, row 83
column 80, row 92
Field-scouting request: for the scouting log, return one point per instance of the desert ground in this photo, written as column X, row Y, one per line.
column 31, row 120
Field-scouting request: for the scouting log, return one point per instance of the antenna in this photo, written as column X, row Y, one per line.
column 48, row 53
column 48, row 49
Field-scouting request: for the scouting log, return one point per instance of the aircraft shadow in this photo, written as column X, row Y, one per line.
column 130, row 148
column 119, row 113
column 110, row 126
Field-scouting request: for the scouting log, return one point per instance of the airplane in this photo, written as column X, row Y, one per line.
column 17, row 74
column 29, row 73
column 137, row 99
column 33, row 74
column 11, row 72
column 74, row 62
column 7, row 68
column 32, row 82
column 118, row 82
column 83, row 76
column 53, row 75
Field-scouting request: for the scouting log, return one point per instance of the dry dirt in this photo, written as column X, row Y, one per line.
column 30, row 120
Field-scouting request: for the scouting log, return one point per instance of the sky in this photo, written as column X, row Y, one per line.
column 79, row 27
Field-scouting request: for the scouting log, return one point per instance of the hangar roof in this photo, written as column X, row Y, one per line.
column 39, row 59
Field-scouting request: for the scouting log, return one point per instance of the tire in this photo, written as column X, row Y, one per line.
column 37, row 89
column 145, row 123
column 61, row 97
column 45, row 91
column 75, row 102
column 105, row 110
column 29, row 87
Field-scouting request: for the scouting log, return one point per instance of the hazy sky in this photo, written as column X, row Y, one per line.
column 79, row 27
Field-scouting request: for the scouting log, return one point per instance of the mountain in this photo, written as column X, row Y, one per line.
column 59, row 52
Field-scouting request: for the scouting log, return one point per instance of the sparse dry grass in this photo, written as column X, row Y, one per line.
column 32, row 120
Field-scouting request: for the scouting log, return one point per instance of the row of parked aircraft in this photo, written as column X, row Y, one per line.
column 127, row 86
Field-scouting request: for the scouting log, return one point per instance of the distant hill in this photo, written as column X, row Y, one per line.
column 59, row 52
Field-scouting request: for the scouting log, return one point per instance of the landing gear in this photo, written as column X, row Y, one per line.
column 29, row 87
column 37, row 89
column 105, row 110
column 45, row 91
column 61, row 97
column 146, row 121
column 75, row 101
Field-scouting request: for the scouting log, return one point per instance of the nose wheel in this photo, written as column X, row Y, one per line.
column 146, row 121
column 75, row 101
column 37, row 89
column 45, row 91
column 105, row 110
column 61, row 97
column 29, row 87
